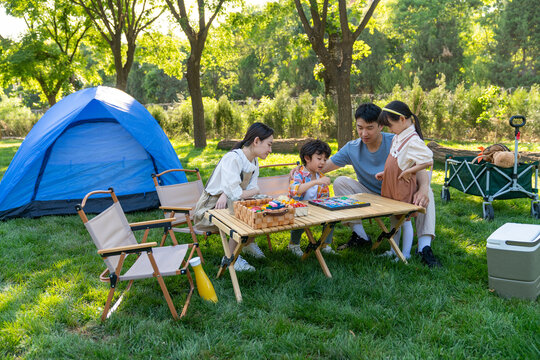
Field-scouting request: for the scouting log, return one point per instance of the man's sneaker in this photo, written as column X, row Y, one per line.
column 328, row 250
column 428, row 258
column 254, row 250
column 242, row 265
column 356, row 241
column 295, row 249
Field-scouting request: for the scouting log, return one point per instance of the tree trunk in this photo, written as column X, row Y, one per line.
column 345, row 121
column 51, row 99
column 194, row 84
column 121, row 79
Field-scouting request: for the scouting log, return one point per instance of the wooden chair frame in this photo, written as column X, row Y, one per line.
column 170, row 211
column 124, row 251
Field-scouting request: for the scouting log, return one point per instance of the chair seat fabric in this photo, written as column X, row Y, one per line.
column 168, row 260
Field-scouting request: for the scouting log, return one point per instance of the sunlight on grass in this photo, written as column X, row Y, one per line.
column 51, row 298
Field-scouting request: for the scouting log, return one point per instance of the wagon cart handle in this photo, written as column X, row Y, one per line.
column 517, row 126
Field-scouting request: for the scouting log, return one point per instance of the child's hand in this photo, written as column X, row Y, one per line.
column 406, row 175
column 325, row 180
column 379, row 175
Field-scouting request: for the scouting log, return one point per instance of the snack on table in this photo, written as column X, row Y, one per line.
column 301, row 208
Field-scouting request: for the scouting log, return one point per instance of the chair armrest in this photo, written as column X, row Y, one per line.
column 177, row 208
column 159, row 223
column 127, row 249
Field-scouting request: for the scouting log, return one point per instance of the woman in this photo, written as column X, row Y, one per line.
column 235, row 178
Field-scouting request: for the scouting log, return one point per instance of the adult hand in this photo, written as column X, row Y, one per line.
column 293, row 170
column 421, row 198
column 222, row 202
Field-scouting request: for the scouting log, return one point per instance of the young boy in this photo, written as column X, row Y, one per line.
column 309, row 183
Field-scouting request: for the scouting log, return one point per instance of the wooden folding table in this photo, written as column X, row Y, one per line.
column 231, row 227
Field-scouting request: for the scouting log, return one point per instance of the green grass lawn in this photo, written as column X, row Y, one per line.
column 51, row 298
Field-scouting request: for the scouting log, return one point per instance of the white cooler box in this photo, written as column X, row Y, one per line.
column 513, row 257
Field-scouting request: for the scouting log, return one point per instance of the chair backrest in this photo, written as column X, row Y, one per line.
column 111, row 229
column 274, row 186
column 179, row 195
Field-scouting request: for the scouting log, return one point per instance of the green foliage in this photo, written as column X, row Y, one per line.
column 47, row 57
column 180, row 119
column 301, row 112
column 479, row 113
column 159, row 114
column 275, row 113
column 150, row 84
column 323, row 120
column 517, row 50
column 226, row 123
column 15, row 119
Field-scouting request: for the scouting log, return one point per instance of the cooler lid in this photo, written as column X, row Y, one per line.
column 527, row 235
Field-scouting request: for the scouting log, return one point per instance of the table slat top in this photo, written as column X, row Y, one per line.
column 379, row 206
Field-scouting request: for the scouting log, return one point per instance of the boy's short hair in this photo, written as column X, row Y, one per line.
column 368, row 111
column 314, row 147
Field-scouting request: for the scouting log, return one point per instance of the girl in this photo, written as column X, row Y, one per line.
column 408, row 155
column 234, row 178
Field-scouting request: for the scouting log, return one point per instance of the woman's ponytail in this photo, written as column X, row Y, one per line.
column 256, row 130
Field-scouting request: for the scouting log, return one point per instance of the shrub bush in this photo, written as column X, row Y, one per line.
column 15, row 119
column 323, row 122
column 301, row 111
column 473, row 113
column 180, row 119
column 159, row 114
column 227, row 123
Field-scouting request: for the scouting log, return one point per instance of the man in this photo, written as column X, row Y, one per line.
column 367, row 155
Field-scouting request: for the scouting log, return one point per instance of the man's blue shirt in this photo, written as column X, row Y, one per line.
column 365, row 163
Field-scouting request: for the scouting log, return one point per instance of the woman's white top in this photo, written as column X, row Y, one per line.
column 413, row 152
column 226, row 177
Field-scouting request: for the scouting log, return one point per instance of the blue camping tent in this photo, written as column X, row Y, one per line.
column 91, row 140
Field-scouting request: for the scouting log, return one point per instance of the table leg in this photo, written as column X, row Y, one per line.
column 391, row 238
column 232, row 272
column 318, row 254
column 383, row 227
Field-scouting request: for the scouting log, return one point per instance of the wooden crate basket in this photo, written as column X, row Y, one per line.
column 267, row 218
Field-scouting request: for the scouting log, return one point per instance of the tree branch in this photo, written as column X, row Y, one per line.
column 365, row 20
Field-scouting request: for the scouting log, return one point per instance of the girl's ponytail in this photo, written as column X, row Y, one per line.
column 394, row 110
column 417, row 126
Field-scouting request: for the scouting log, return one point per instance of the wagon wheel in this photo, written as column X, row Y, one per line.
column 445, row 195
column 488, row 212
column 535, row 210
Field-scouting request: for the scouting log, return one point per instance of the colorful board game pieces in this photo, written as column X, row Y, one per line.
column 338, row 203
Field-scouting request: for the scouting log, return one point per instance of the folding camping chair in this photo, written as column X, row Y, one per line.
column 274, row 186
column 178, row 202
column 113, row 236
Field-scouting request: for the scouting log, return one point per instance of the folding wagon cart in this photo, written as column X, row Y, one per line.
column 493, row 182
